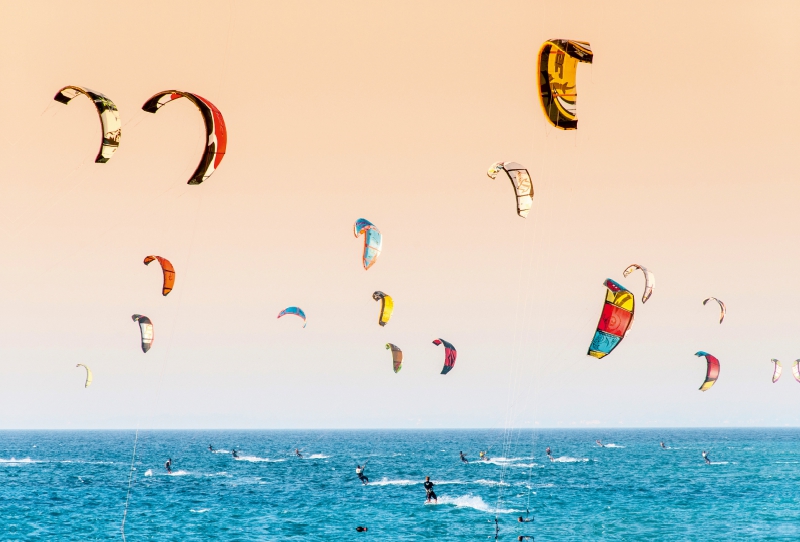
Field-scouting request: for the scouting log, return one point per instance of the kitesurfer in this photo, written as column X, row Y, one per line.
column 360, row 474
column 523, row 537
column 297, row 453
column 361, row 529
column 549, row 453
column 235, row 454
column 705, row 456
column 524, row 520
column 429, row 494
column 600, row 443
column 168, row 465
column 210, row 448
column 662, row 445
column 483, row 456
column 463, row 457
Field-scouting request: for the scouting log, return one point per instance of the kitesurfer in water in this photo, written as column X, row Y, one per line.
column 168, row 465
column 429, row 494
column 524, row 520
column 297, row 453
column 463, row 457
column 705, row 456
column 662, row 445
column 549, row 453
column 361, row 529
column 360, row 474
column 523, row 537
column 210, row 448
column 600, row 443
column 235, row 454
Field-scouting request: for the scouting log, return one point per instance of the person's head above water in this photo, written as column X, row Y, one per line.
column 361, row 529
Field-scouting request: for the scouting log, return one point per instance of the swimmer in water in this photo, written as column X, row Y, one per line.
column 523, row 520
column 522, row 537
column 463, row 457
column 235, row 454
column 360, row 529
column 297, row 453
column 705, row 456
column 600, row 443
column 168, row 465
column 549, row 453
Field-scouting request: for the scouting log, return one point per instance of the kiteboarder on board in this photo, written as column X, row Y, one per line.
column 360, row 473
column 463, row 457
column 235, row 454
column 210, row 448
column 297, row 453
column 483, row 456
column 168, row 466
column 600, row 443
column 662, row 445
column 429, row 494
column 549, row 453
column 705, row 456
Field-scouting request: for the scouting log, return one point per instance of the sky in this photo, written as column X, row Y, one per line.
column 685, row 161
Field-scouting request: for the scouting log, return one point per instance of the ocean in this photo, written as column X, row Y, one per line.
column 72, row 485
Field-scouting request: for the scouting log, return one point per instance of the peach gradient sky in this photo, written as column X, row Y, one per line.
column 686, row 161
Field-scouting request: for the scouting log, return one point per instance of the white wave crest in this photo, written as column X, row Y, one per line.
column 612, row 445
column 386, row 482
column 17, row 461
column 220, row 451
column 566, row 459
column 254, row 459
column 317, row 456
column 491, row 483
column 149, row 472
column 524, row 465
column 200, row 510
column 178, row 473
column 474, row 502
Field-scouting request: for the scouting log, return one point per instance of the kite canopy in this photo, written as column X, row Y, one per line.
column 712, row 370
column 649, row 280
column 520, row 181
column 297, row 311
column 796, row 369
column 397, row 357
column 372, row 240
column 109, row 119
column 146, row 329
column 615, row 320
column 449, row 355
column 776, row 374
column 722, row 310
column 558, row 66
column 216, row 134
column 169, row 272
column 387, row 306
column 88, row 374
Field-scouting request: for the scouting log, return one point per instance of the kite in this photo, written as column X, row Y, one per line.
column 372, row 240
column 169, row 272
column 649, row 280
column 297, row 311
column 146, row 328
column 558, row 65
column 722, row 309
column 778, row 370
column 615, row 320
column 520, row 180
column 449, row 355
column 88, row 374
column 109, row 119
column 796, row 369
column 216, row 134
column 397, row 357
column 712, row 370
column 387, row 306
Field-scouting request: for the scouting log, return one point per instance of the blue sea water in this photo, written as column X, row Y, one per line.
column 60, row 485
